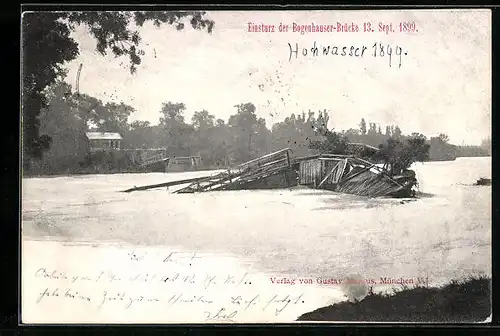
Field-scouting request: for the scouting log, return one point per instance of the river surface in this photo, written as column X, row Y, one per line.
column 443, row 235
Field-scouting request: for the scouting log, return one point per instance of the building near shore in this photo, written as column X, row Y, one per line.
column 103, row 141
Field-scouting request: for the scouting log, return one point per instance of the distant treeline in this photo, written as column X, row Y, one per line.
column 220, row 143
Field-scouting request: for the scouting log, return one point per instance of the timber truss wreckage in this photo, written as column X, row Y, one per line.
column 346, row 174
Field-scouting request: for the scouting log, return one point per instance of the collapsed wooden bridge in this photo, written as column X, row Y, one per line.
column 270, row 171
column 339, row 173
column 349, row 174
column 274, row 170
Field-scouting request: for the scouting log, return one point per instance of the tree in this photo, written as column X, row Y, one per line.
column 296, row 132
column 440, row 149
column 65, row 123
column 333, row 143
column 388, row 131
column 203, row 135
column 397, row 132
column 65, row 120
column 140, row 135
column 443, row 138
column 249, row 134
column 175, row 133
column 262, row 138
column 115, row 118
column 221, row 141
column 417, row 150
column 242, row 126
column 172, row 112
column 47, row 45
column 373, row 129
column 399, row 154
column 362, row 126
column 352, row 131
column 486, row 145
column 139, row 124
column 416, row 135
column 287, row 134
column 202, row 120
column 321, row 123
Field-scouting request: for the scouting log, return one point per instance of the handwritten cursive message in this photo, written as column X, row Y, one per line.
column 111, row 284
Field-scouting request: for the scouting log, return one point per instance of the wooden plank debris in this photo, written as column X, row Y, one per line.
column 352, row 175
column 328, row 175
column 250, row 175
column 166, row 184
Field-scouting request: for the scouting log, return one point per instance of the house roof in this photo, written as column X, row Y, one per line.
column 103, row 136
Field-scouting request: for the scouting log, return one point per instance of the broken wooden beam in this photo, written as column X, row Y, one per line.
column 263, row 159
column 211, row 181
column 349, row 177
column 328, row 175
column 166, row 184
column 261, row 174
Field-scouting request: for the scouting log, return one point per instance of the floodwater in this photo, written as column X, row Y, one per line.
column 444, row 235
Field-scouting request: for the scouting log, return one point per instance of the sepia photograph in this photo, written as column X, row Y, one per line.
column 255, row 166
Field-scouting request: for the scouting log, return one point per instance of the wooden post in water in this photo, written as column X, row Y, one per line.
column 287, row 177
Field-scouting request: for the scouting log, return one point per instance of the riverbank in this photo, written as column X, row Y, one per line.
column 109, row 172
column 98, row 163
column 464, row 301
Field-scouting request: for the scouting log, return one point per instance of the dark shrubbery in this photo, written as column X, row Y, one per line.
column 458, row 302
column 102, row 162
column 99, row 162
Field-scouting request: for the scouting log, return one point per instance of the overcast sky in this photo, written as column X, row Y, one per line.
column 443, row 85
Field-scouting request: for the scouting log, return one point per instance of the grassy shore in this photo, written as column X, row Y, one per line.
column 464, row 301
column 29, row 174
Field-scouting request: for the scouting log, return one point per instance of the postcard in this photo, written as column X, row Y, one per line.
column 263, row 166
